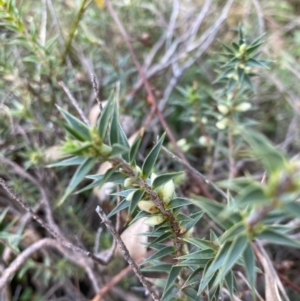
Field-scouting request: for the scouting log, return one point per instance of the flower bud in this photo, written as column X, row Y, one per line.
column 127, row 182
column 222, row 124
column 148, row 206
column 243, row 107
column 205, row 141
column 223, row 109
column 204, row 120
column 154, row 220
column 166, row 192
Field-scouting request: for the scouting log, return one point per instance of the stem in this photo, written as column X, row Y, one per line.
column 73, row 30
column 126, row 254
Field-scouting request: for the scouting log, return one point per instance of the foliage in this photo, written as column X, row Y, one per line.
column 225, row 106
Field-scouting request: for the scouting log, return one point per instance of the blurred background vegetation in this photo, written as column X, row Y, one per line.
column 177, row 43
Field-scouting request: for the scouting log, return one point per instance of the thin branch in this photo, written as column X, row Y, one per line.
column 195, row 172
column 22, row 258
column 116, row 279
column 74, row 103
column 74, row 28
column 96, row 91
column 126, row 254
column 57, row 236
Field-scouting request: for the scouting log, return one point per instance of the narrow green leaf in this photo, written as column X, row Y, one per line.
column 249, row 263
column 272, row 158
column 123, row 193
column 103, row 121
column 278, row 238
column 135, row 148
column 203, row 254
column 117, row 150
column 163, row 179
column 141, row 214
column 232, row 232
column 172, row 278
column 161, row 238
column 152, row 157
column 79, row 175
column 220, row 258
column 236, row 249
column 161, row 253
column 68, row 162
column 211, row 208
column 81, row 129
column 292, row 209
column 230, row 284
column 122, row 205
column 205, row 279
column 2, row 216
column 178, row 202
column 163, row 267
column 248, row 81
column 137, row 196
column 201, row 243
column 117, row 135
column 252, row 195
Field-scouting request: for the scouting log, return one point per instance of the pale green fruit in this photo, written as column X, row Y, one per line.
column 223, row 109
column 243, row 107
column 148, row 206
column 166, row 192
column 154, row 220
column 127, row 182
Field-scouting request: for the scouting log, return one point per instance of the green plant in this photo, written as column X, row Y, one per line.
column 201, row 266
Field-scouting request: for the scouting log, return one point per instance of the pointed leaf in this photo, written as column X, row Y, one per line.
column 137, row 196
column 135, row 148
column 122, row 205
column 236, row 249
column 278, row 238
column 249, row 263
column 172, row 278
column 163, row 179
column 152, row 157
column 163, row 267
column 81, row 129
column 105, row 116
column 178, row 202
column 68, row 162
column 161, row 253
column 117, row 150
column 79, row 175
column 201, row 243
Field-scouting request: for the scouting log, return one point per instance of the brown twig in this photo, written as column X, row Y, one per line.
column 151, row 97
column 74, row 103
column 194, row 172
column 116, row 279
column 126, row 254
column 57, row 236
column 96, row 91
